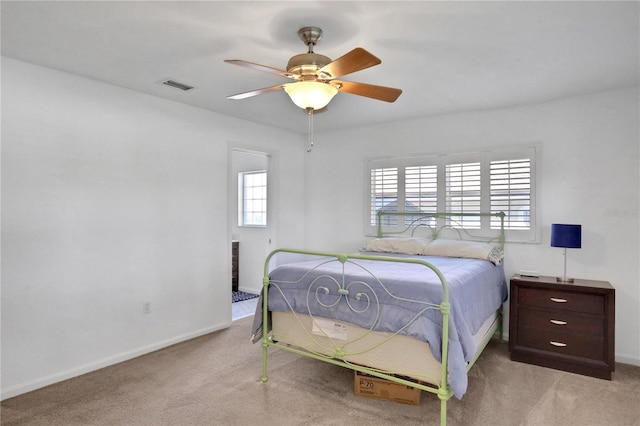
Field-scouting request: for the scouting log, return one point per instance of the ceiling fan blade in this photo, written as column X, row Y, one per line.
column 356, row 60
column 255, row 92
column 259, row 67
column 381, row 93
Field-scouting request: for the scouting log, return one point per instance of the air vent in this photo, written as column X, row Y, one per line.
column 177, row 85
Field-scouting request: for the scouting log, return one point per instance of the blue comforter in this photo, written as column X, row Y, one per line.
column 387, row 296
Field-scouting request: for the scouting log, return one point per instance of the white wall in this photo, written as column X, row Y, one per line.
column 111, row 198
column 588, row 175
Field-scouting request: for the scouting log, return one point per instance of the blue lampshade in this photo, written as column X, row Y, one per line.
column 567, row 236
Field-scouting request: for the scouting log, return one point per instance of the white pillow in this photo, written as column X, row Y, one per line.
column 467, row 249
column 413, row 245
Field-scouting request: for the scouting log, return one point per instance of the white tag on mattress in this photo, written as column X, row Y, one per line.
column 329, row 328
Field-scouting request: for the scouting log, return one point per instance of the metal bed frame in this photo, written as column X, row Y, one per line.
column 443, row 390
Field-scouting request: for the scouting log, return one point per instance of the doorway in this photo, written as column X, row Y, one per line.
column 250, row 231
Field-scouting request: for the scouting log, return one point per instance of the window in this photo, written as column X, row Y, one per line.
column 494, row 180
column 421, row 190
column 384, row 193
column 252, row 198
column 511, row 192
column 462, row 194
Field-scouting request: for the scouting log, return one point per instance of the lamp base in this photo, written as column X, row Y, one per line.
column 564, row 280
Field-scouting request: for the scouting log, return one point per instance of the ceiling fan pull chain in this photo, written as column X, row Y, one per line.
column 310, row 113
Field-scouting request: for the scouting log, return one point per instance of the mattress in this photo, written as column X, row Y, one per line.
column 389, row 352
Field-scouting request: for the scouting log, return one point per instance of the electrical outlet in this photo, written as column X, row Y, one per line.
column 146, row 307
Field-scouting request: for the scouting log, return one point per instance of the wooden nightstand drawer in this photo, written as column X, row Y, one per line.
column 561, row 343
column 564, row 300
column 567, row 326
column 560, row 321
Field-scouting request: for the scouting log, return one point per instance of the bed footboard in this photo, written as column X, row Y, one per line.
column 362, row 297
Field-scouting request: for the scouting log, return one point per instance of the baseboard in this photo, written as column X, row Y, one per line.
column 626, row 359
column 105, row 362
column 249, row 290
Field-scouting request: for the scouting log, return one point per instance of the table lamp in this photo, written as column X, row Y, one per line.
column 566, row 236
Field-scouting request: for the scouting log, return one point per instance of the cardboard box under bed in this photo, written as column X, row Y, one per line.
column 374, row 387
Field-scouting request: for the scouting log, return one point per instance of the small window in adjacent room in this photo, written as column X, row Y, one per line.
column 252, row 197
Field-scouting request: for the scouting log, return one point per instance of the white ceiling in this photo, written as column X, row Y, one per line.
column 445, row 56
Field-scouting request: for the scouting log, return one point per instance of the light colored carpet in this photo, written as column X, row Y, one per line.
column 215, row 380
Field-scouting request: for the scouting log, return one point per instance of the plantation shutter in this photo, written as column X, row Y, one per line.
column 462, row 194
column 473, row 183
column 384, row 193
column 421, row 190
column 510, row 191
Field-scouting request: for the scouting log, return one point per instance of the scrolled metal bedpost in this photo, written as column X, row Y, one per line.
column 444, row 391
column 502, row 239
column 379, row 220
column 265, row 328
column 265, row 314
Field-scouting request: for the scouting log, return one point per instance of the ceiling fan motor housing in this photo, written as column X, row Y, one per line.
column 306, row 64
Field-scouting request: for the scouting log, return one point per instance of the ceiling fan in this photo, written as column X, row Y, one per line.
column 315, row 75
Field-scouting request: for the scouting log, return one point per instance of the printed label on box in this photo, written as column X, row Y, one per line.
column 329, row 328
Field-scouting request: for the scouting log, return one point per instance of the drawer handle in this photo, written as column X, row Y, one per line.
column 556, row 300
column 558, row 344
column 558, row 322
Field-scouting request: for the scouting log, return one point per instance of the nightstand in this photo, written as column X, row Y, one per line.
column 566, row 326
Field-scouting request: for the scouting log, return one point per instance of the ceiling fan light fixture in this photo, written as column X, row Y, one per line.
column 310, row 94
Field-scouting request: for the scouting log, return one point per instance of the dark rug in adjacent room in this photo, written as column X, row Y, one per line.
column 239, row 296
